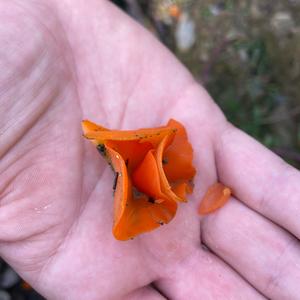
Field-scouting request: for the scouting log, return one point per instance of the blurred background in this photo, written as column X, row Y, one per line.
column 246, row 54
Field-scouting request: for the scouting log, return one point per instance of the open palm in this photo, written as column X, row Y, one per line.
column 69, row 60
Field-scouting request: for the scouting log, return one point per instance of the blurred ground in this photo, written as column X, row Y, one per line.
column 246, row 53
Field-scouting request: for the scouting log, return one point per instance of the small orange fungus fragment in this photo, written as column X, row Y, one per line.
column 153, row 172
column 216, row 196
column 174, row 11
column 25, row 286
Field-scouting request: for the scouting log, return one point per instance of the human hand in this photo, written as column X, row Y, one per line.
column 63, row 61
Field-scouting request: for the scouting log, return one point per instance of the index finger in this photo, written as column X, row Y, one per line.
column 259, row 178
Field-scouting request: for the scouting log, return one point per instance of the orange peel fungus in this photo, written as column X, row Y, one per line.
column 154, row 172
column 215, row 197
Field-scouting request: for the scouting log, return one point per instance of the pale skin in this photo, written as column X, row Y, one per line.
column 64, row 61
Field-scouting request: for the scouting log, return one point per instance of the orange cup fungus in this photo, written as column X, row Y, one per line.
column 154, row 172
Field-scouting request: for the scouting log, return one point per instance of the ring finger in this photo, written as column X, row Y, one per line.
column 263, row 253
